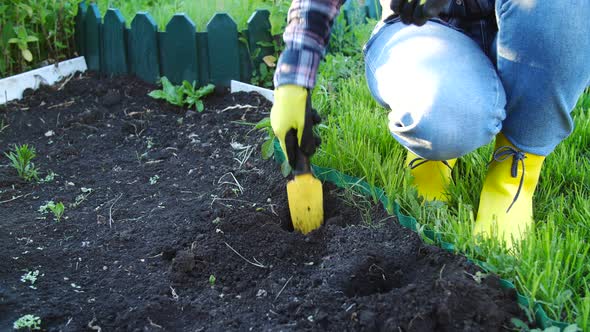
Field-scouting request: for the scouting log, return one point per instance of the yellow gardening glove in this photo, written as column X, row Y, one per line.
column 292, row 119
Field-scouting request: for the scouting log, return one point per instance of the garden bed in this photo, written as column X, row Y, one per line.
column 173, row 222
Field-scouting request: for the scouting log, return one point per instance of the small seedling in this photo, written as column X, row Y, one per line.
column 81, row 197
column 184, row 94
column 30, row 277
column 48, row 178
column 154, row 179
column 29, row 322
column 212, row 280
column 20, row 160
column 150, row 142
column 57, row 209
column 140, row 157
column 268, row 147
column 172, row 94
column 478, row 276
column 194, row 95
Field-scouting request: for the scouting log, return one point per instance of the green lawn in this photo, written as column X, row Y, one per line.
column 552, row 267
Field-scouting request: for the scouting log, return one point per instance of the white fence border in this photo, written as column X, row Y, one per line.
column 237, row 86
column 12, row 88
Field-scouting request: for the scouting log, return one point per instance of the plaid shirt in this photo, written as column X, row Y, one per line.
column 310, row 21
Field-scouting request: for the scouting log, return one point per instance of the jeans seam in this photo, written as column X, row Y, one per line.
column 373, row 37
column 497, row 88
column 369, row 64
column 502, row 9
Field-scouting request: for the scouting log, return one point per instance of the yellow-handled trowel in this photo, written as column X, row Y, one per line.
column 306, row 199
column 304, row 191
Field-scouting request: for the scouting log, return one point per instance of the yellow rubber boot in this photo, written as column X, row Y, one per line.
column 431, row 177
column 506, row 201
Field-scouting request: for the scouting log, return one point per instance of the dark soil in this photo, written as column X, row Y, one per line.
column 136, row 254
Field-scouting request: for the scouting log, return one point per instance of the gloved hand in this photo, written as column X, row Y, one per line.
column 292, row 120
column 418, row 11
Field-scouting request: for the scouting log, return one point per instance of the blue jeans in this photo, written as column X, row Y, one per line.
column 447, row 98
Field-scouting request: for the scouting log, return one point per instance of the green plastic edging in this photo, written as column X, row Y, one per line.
column 350, row 182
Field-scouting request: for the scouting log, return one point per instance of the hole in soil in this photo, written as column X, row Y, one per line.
column 337, row 210
column 374, row 275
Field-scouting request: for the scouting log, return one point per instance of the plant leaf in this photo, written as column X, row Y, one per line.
column 264, row 123
column 265, row 44
column 270, row 61
column 188, row 88
column 519, row 323
column 27, row 55
column 268, row 149
column 190, row 101
column 285, row 168
column 572, row 328
column 178, row 98
column 263, row 70
column 200, row 106
column 206, row 90
column 157, row 94
column 167, row 87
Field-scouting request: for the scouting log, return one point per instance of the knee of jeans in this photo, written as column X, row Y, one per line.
column 448, row 136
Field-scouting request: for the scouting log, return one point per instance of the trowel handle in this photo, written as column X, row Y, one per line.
column 302, row 163
column 299, row 162
column 299, row 155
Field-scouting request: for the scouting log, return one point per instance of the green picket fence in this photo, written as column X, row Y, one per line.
column 217, row 55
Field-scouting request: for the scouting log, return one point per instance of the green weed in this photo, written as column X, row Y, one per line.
column 82, row 197
column 170, row 93
column 193, row 95
column 57, row 209
column 48, row 178
column 29, row 322
column 154, row 179
column 21, row 160
column 185, row 94
column 268, row 148
column 268, row 145
column 30, row 277
column 212, row 280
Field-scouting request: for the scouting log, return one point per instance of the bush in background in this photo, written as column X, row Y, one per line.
column 35, row 33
